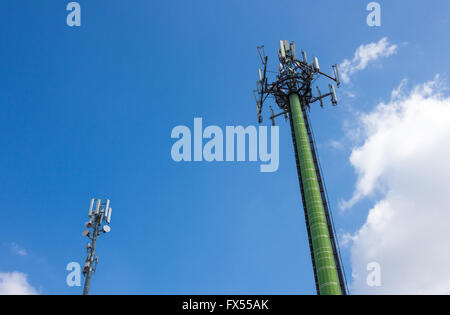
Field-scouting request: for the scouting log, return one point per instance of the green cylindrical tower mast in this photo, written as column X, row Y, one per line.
column 293, row 94
column 322, row 250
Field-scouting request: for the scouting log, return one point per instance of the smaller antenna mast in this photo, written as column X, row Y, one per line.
column 99, row 220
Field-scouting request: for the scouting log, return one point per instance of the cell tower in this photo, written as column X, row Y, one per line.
column 293, row 93
column 99, row 220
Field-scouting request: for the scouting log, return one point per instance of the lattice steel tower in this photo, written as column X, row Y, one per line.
column 293, row 93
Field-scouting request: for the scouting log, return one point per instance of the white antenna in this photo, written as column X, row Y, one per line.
column 320, row 96
column 108, row 219
column 106, row 207
column 286, row 46
column 305, row 59
column 336, row 72
column 334, row 99
column 91, row 207
column 293, row 50
column 97, row 208
column 282, row 51
column 316, row 64
column 260, row 74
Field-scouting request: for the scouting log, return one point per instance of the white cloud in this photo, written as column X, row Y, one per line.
column 17, row 249
column 405, row 158
column 364, row 55
column 337, row 145
column 15, row 283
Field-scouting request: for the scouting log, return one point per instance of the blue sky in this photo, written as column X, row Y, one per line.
column 87, row 112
